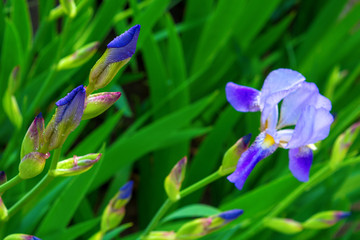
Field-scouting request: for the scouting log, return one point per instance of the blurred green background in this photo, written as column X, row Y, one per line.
column 173, row 104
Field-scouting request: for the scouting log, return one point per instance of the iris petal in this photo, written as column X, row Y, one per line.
column 263, row 146
column 243, row 99
column 295, row 102
column 278, row 84
column 313, row 125
column 300, row 162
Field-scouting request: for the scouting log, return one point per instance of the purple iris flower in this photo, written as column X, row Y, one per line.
column 302, row 106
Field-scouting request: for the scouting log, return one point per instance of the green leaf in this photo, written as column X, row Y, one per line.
column 113, row 233
column 194, row 210
column 21, row 17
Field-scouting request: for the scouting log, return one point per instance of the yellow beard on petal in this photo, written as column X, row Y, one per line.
column 268, row 141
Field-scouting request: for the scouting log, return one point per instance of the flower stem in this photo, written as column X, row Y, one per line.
column 168, row 203
column 39, row 187
column 9, row 184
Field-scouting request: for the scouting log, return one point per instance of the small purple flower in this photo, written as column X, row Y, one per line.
column 302, row 106
column 126, row 190
column 66, row 118
column 231, row 214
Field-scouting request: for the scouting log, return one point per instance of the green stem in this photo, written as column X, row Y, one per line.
column 168, row 203
column 9, row 184
column 39, row 187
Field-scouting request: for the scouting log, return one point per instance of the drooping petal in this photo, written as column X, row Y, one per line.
column 243, row 99
column 313, row 125
column 277, row 85
column 300, row 160
column 263, row 146
column 295, row 102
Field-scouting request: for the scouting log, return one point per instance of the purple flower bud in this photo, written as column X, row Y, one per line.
column 174, row 180
column 2, row 177
column 66, row 118
column 325, row 219
column 34, row 137
column 125, row 191
column 20, row 236
column 118, row 53
column 231, row 214
column 98, row 103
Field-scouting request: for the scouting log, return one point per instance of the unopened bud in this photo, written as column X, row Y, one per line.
column 119, row 52
column 3, row 210
column 160, row 235
column 32, row 164
column 174, row 180
column 98, row 103
column 115, row 210
column 79, row 57
column 325, row 219
column 284, row 225
column 75, row 165
column 34, row 137
column 203, row 226
column 343, row 143
column 20, row 236
column 232, row 155
column 69, row 7
column 2, row 177
column 66, row 118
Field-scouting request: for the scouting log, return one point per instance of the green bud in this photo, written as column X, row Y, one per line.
column 96, row 104
column 20, row 236
column 325, row 219
column 11, row 107
column 174, row 180
column 56, row 12
column 32, row 164
column 79, row 57
column 284, row 225
column 160, row 235
column 343, row 143
column 75, row 165
column 3, row 211
column 34, row 137
column 69, row 7
column 232, row 155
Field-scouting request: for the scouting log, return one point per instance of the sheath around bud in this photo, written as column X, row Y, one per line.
column 34, row 137
column 232, row 155
column 160, row 235
column 343, row 143
column 115, row 210
column 66, row 118
column 75, row 165
column 119, row 52
column 20, row 236
column 32, row 164
column 174, row 180
column 69, row 7
column 98, row 103
column 2, row 177
column 325, row 219
column 284, row 225
column 3, row 210
column 203, row 226
column 79, row 57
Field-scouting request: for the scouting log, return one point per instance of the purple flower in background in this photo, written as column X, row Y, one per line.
column 302, row 106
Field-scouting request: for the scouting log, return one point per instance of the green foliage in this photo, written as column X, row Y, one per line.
column 173, row 105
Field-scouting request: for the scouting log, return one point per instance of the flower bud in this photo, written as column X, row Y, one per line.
column 203, row 226
column 343, row 143
column 174, row 180
column 284, row 225
column 69, row 7
column 325, row 219
column 160, row 235
column 32, row 164
column 66, row 118
column 3, row 178
column 232, row 155
column 3, row 210
column 98, row 103
column 115, row 210
column 34, row 137
column 10, row 105
column 20, row 236
column 75, row 165
column 79, row 57
column 119, row 52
